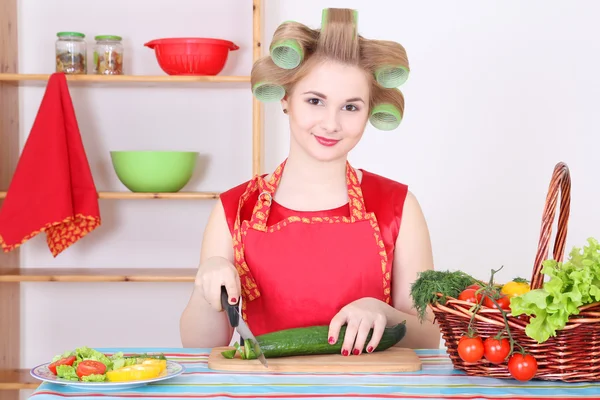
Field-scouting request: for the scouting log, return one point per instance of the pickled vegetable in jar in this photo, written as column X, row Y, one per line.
column 108, row 55
column 71, row 53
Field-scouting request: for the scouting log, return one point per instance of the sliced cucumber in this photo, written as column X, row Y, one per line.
column 229, row 353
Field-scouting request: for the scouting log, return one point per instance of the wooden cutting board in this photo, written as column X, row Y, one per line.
column 394, row 359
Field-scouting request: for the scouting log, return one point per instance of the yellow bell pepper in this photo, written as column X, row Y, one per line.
column 152, row 361
column 516, row 287
column 135, row 372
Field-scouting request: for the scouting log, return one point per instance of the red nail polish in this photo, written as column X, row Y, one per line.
column 233, row 300
column 345, row 352
column 369, row 349
column 355, row 352
column 331, row 340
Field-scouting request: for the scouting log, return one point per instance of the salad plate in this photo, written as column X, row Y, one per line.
column 89, row 369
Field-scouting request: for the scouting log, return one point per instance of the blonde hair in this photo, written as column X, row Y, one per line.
column 296, row 48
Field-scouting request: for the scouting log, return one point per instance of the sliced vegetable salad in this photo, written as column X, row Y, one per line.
column 85, row 364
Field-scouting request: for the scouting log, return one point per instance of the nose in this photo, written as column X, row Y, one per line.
column 330, row 122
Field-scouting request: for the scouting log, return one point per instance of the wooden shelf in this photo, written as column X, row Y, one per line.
column 98, row 275
column 17, row 379
column 146, row 79
column 145, row 196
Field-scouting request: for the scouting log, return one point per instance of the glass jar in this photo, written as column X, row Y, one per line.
column 71, row 53
column 108, row 55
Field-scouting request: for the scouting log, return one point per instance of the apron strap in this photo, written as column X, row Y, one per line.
column 262, row 208
column 249, row 288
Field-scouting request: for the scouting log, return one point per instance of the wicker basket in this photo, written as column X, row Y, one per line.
column 573, row 355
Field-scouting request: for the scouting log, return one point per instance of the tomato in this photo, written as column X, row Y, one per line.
column 515, row 288
column 475, row 286
column 90, row 367
column 503, row 301
column 63, row 361
column 469, row 295
column 522, row 367
column 470, row 349
column 496, row 350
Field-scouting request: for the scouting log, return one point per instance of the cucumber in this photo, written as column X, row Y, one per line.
column 229, row 353
column 313, row 340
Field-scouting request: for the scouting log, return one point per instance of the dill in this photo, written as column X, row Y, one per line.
column 429, row 283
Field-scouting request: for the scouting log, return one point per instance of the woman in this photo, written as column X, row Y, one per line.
column 318, row 242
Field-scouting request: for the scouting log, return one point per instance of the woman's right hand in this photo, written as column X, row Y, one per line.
column 214, row 273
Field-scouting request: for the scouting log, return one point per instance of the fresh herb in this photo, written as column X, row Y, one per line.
column 160, row 356
column 572, row 284
column 425, row 289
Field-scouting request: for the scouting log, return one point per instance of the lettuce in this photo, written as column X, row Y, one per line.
column 66, row 372
column 572, row 284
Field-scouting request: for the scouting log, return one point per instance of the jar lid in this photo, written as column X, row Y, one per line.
column 78, row 34
column 108, row 37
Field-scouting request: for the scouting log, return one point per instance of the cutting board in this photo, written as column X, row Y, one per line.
column 394, row 359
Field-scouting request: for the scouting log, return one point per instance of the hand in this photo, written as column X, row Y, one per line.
column 213, row 274
column 360, row 316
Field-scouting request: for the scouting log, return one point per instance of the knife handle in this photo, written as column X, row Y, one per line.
column 232, row 314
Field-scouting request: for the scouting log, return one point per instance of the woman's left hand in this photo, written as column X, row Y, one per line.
column 360, row 316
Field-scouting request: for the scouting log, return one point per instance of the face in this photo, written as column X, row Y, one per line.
column 328, row 110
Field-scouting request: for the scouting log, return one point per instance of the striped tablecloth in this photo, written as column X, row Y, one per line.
column 436, row 380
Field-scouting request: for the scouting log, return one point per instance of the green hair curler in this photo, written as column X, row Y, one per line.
column 287, row 53
column 391, row 76
column 385, row 117
column 268, row 92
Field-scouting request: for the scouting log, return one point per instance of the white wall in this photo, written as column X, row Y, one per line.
column 499, row 92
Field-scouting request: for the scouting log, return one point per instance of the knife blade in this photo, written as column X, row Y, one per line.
column 239, row 324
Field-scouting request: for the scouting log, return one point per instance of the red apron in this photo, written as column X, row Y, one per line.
column 301, row 271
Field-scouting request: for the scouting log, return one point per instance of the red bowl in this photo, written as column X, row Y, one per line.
column 191, row 56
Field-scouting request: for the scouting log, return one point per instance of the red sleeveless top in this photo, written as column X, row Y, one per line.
column 382, row 196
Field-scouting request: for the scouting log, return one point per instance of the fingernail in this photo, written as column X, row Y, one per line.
column 331, row 340
column 344, row 352
column 233, row 300
column 355, row 352
column 369, row 349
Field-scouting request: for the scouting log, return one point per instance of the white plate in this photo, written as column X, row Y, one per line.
column 42, row 373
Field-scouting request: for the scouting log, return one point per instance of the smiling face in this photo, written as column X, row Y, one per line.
column 328, row 110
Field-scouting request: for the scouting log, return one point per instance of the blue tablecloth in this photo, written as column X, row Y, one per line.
column 436, row 380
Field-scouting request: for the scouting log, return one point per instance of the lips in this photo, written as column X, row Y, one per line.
column 326, row 142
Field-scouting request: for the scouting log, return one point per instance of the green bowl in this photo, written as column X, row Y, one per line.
column 154, row 171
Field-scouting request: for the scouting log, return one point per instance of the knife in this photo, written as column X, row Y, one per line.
column 238, row 323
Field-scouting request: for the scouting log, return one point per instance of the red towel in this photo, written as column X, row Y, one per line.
column 52, row 189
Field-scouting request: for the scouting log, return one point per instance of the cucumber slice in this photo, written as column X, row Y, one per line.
column 229, row 353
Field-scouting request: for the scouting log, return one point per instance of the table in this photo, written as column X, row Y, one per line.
column 436, row 380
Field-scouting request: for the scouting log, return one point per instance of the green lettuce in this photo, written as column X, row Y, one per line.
column 66, row 372
column 572, row 284
column 94, row 378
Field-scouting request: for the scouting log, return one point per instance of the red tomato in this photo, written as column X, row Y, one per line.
column 522, row 367
column 496, row 351
column 474, row 286
column 470, row 349
column 469, row 295
column 63, row 361
column 503, row 302
column 90, row 367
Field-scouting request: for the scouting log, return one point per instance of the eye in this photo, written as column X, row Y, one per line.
column 314, row 101
column 350, row 107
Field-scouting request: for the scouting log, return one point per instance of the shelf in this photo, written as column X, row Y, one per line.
column 122, row 80
column 145, row 196
column 98, row 275
column 17, row 379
